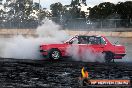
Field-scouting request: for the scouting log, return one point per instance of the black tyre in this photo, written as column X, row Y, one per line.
column 54, row 54
column 108, row 57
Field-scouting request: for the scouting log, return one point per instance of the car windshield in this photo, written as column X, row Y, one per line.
column 75, row 40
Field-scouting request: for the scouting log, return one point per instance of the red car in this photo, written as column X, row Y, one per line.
column 97, row 44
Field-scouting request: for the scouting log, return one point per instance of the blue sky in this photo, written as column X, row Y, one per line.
column 91, row 3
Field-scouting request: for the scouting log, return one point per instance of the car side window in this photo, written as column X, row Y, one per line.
column 94, row 40
column 83, row 40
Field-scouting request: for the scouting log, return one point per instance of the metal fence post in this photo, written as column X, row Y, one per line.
column 101, row 24
column 115, row 24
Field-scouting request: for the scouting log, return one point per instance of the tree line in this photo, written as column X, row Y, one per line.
column 105, row 10
column 26, row 10
column 22, row 11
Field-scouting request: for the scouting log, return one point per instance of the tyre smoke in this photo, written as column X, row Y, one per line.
column 21, row 47
column 28, row 48
column 84, row 54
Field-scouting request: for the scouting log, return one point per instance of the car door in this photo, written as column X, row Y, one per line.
column 83, row 42
column 77, row 46
column 95, row 44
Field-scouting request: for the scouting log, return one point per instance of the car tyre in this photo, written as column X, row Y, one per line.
column 54, row 54
column 108, row 57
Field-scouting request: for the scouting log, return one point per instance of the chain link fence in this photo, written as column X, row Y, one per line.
column 73, row 24
column 18, row 25
column 86, row 24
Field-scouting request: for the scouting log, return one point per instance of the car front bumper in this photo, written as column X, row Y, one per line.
column 43, row 52
column 119, row 56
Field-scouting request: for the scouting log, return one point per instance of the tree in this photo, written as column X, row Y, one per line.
column 28, row 4
column 36, row 6
column 21, row 10
column 75, row 11
column 77, row 2
column 57, row 9
column 102, row 11
column 74, row 3
column 124, row 9
column 94, row 13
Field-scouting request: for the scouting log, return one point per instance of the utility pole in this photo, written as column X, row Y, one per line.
column 39, row 12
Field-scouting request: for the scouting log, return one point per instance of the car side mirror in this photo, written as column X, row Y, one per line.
column 79, row 42
column 70, row 42
column 116, row 42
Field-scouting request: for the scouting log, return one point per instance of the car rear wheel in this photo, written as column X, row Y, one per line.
column 54, row 54
column 108, row 57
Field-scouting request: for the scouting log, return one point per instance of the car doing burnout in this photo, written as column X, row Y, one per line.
column 97, row 44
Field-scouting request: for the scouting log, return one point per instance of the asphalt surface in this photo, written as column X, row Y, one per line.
column 16, row 73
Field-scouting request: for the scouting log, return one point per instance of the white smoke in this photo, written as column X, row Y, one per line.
column 84, row 54
column 28, row 48
column 50, row 29
column 21, row 47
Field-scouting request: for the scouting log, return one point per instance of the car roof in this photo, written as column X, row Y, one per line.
column 89, row 36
